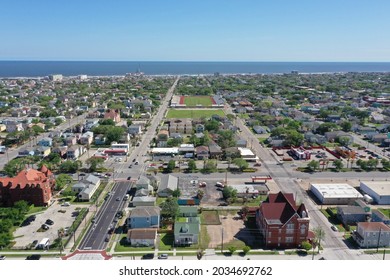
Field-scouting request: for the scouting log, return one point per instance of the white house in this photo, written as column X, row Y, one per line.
column 142, row 236
column 86, row 188
column 372, row 235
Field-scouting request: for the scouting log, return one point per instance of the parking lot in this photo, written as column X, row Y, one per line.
column 25, row 235
column 315, row 154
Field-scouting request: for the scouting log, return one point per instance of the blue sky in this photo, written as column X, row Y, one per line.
column 195, row 30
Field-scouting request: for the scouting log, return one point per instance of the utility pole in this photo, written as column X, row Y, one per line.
column 384, row 253
column 222, row 240
column 379, row 239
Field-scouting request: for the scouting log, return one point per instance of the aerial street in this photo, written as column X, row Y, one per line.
column 177, row 164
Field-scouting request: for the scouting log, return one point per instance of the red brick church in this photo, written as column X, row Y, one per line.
column 281, row 222
column 30, row 185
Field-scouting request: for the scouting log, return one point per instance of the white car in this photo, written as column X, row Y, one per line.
column 163, row 256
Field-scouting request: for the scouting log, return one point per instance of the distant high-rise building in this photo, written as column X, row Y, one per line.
column 56, row 78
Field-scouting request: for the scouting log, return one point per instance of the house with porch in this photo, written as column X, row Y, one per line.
column 187, row 226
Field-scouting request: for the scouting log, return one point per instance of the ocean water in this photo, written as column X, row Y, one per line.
column 109, row 68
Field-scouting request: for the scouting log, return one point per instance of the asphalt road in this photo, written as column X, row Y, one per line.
column 97, row 233
column 95, row 239
column 122, row 170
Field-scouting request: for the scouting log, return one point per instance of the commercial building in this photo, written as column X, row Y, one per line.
column 247, row 154
column 378, row 190
column 335, row 193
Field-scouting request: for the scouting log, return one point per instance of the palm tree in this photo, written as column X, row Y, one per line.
column 320, row 235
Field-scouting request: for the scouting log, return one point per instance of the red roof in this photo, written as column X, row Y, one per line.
column 373, row 226
column 26, row 176
column 281, row 207
column 114, row 151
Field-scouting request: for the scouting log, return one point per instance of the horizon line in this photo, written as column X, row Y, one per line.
column 192, row 61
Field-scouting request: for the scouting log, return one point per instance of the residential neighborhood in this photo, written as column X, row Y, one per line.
column 294, row 165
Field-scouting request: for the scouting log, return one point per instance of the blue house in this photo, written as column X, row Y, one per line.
column 45, row 142
column 100, row 139
column 144, row 217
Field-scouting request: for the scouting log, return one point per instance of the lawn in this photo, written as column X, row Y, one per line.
column 166, row 241
column 385, row 211
column 238, row 244
column 193, row 114
column 123, row 246
column 198, row 100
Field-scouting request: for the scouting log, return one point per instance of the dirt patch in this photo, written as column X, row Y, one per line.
column 211, row 217
column 231, row 226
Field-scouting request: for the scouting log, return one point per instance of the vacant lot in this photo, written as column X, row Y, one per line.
column 198, row 100
column 193, row 114
column 211, row 217
column 231, row 227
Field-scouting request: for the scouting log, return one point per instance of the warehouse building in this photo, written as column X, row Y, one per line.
column 378, row 190
column 335, row 193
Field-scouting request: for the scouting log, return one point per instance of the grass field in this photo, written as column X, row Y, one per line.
column 198, row 100
column 193, row 114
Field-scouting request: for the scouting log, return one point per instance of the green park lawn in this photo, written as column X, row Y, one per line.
column 193, row 114
column 198, row 100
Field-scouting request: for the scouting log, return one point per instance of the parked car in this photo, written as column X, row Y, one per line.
column 33, row 257
column 163, row 256
column 49, row 222
column 147, row 256
column 65, row 204
column 45, row 227
column 334, row 228
column 31, row 218
column 2, row 258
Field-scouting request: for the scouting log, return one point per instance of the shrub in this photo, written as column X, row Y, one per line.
column 306, row 246
column 232, row 249
column 246, row 249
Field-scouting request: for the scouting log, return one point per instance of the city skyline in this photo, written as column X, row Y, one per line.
column 351, row 31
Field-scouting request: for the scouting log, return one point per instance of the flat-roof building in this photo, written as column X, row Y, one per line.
column 247, row 154
column 335, row 193
column 378, row 190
